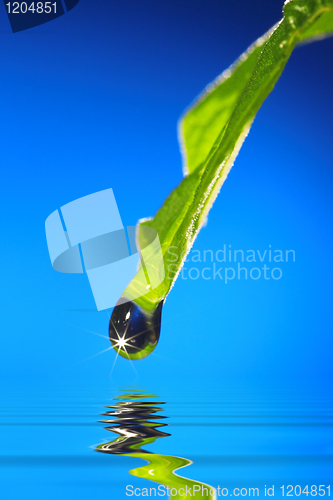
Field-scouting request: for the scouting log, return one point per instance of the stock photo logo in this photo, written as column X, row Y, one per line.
column 26, row 15
column 87, row 236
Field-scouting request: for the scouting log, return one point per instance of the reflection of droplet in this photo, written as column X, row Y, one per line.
column 134, row 332
column 134, row 418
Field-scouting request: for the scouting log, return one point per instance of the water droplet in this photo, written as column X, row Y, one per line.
column 133, row 331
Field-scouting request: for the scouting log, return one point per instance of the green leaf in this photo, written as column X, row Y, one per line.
column 211, row 133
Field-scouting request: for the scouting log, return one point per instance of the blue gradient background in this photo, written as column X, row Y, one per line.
column 90, row 101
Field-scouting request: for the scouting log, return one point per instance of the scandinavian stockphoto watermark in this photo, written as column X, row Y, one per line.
column 199, row 490
column 228, row 264
column 87, row 236
column 206, row 491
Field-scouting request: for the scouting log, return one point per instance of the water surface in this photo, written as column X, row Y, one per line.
column 65, row 444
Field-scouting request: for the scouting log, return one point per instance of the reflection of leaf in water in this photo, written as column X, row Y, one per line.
column 135, row 421
column 161, row 468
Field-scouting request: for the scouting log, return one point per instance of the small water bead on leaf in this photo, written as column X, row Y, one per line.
column 133, row 331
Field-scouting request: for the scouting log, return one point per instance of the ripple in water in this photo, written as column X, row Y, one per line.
column 136, row 421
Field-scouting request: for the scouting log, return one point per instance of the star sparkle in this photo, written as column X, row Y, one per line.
column 122, row 342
